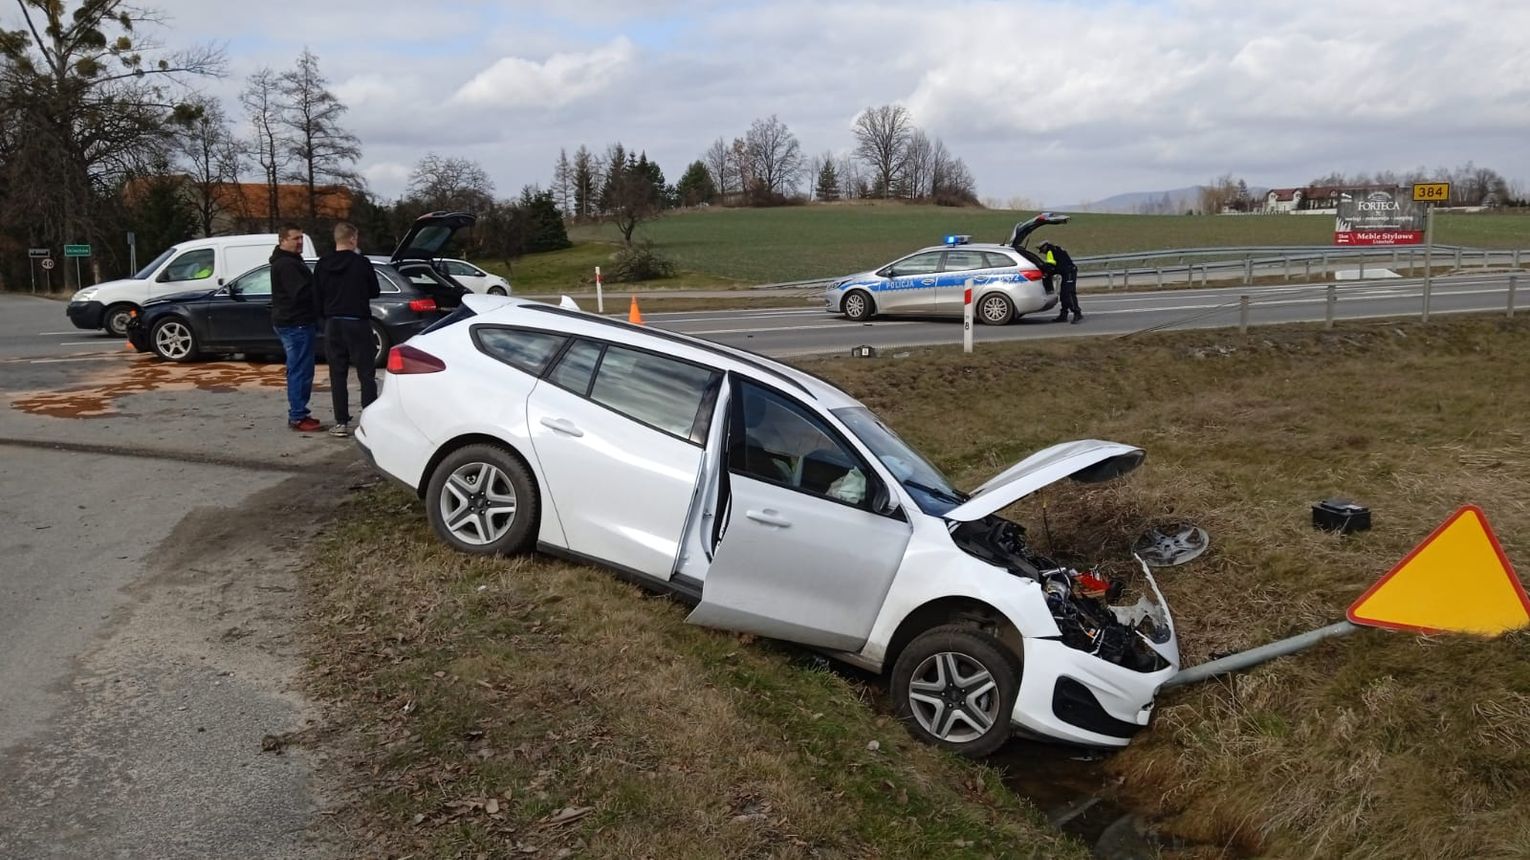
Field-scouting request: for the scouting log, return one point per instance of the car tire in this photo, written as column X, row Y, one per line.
column 858, row 306
column 173, row 339
column 497, row 291
column 954, row 686
column 995, row 309
column 380, row 343
column 467, row 498
column 117, row 317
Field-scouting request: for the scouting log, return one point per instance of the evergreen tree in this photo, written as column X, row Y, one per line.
column 827, row 188
column 617, row 159
column 584, row 184
column 563, row 183
column 544, row 230
column 696, row 185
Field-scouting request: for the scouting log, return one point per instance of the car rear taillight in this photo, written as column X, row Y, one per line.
column 1031, row 274
column 420, row 306
column 407, row 359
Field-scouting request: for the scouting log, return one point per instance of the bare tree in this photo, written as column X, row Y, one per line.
column 852, row 183
column 720, row 165
column 87, row 101
column 212, row 158
column 917, row 165
column 321, row 151
column 438, row 183
column 774, row 155
column 262, row 103
column 743, row 165
column 881, row 140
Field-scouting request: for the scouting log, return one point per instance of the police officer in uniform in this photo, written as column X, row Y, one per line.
column 1059, row 263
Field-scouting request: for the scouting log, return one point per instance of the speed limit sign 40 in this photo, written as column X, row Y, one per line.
column 47, row 263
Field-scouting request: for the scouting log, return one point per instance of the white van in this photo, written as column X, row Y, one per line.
column 193, row 265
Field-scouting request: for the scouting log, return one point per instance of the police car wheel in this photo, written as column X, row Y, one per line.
column 995, row 309
column 857, row 306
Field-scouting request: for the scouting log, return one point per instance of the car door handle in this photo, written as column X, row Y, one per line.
column 562, row 425
column 929, row 282
column 769, row 518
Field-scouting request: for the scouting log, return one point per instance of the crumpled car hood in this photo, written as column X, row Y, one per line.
column 1088, row 461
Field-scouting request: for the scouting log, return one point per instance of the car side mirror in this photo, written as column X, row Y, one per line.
column 163, row 276
column 888, row 272
column 233, row 293
column 882, row 501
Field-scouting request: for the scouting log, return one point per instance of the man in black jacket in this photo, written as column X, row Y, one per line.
column 294, row 314
column 346, row 283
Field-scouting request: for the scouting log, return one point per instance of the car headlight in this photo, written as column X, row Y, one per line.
column 85, row 295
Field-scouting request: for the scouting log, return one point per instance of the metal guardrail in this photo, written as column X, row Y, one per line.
column 1248, row 258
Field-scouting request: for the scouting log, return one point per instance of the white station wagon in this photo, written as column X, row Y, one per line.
column 776, row 505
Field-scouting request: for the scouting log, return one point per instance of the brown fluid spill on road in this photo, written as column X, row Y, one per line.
column 99, row 397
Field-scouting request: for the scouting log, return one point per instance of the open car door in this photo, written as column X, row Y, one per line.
column 804, row 554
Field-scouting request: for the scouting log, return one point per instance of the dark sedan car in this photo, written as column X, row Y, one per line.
column 236, row 318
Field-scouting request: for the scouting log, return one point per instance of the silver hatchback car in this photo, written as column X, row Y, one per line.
column 1008, row 281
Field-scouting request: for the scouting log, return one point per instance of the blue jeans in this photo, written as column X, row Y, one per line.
column 297, row 343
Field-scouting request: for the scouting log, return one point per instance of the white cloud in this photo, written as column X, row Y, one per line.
column 561, row 79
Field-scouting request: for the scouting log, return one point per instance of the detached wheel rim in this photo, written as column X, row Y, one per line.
column 855, row 306
column 172, row 340
column 478, row 503
column 954, row 697
column 995, row 309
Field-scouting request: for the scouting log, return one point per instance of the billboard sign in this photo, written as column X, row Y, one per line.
column 1378, row 218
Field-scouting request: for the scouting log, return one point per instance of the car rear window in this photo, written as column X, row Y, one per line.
column 461, row 313
column 577, row 367
column 661, row 392
column 996, row 261
column 963, row 261
column 521, row 349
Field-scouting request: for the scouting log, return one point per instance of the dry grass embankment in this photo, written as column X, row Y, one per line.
column 596, row 721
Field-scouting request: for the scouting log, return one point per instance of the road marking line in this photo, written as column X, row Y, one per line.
column 55, row 333
column 106, row 356
column 792, row 328
column 112, row 344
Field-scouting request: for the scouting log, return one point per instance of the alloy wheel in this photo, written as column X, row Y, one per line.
column 954, row 697
column 478, row 503
column 855, row 306
column 172, row 340
column 995, row 310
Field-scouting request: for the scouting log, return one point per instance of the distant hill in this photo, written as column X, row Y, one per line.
column 1174, row 201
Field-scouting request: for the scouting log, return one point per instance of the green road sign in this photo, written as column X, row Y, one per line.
column 76, row 250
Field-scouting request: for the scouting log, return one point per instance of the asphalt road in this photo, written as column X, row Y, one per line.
column 151, row 517
column 811, row 330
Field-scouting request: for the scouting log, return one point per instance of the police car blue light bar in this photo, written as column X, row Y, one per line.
column 958, row 240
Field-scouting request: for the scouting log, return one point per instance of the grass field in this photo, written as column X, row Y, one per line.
column 796, row 243
column 598, row 722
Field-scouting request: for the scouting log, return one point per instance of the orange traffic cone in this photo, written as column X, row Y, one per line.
column 633, row 315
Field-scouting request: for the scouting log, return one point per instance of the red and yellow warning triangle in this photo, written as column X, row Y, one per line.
column 1458, row 580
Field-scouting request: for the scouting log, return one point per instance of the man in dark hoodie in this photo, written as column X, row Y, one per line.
column 294, row 315
column 346, row 283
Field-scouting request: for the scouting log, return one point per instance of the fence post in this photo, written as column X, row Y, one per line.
column 1307, row 272
column 1394, row 259
column 1513, row 288
column 1484, row 258
column 1160, row 277
column 1333, row 299
column 1458, row 258
column 1110, row 280
column 1126, row 278
column 1243, row 315
column 600, row 293
column 1324, row 274
column 1248, row 270
column 1362, row 267
column 1287, row 259
column 1516, row 258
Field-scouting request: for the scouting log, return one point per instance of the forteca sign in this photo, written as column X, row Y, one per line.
column 1376, row 217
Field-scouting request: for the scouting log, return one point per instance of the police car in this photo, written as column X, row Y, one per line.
column 1007, row 281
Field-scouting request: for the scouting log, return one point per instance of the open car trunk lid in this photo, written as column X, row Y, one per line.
column 1024, row 229
column 1088, row 461
column 429, row 234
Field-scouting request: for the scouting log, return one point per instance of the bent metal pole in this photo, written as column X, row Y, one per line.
column 1255, row 656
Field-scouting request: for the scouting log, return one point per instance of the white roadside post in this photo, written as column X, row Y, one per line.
column 600, row 295
column 967, row 318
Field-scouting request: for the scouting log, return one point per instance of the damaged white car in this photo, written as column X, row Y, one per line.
column 777, row 505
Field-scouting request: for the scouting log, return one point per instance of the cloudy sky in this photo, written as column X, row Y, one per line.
column 1054, row 102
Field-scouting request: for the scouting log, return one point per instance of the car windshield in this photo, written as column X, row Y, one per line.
column 146, row 271
column 930, row 489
